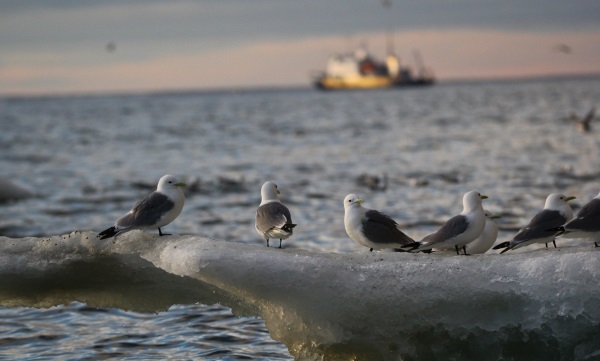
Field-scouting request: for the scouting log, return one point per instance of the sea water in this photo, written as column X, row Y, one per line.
column 89, row 158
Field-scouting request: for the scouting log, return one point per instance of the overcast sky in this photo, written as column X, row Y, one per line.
column 52, row 46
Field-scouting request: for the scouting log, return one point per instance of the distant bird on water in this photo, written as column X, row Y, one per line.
column 544, row 226
column 586, row 224
column 273, row 219
column 371, row 228
column 156, row 210
column 459, row 230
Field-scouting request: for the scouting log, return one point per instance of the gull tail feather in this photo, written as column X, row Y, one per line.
column 561, row 230
column 506, row 245
column 502, row 245
column 109, row 232
column 411, row 246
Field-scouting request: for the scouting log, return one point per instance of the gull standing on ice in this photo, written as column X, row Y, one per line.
column 459, row 230
column 156, row 210
column 273, row 219
column 487, row 238
column 371, row 228
column 544, row 226
column 586, row 224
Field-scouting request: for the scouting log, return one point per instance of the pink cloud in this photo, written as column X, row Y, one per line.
column 452, row 54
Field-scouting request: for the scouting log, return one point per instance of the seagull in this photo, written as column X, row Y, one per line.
column 156, row 210
column 486, row 239
column 273, row 219
column 544, row 226
column 371, row 228
column 583, row 125
column 586, row 224
column 459, row 230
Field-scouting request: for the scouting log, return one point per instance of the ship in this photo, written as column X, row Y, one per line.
column 361, row 70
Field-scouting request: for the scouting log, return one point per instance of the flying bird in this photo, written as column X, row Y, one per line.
column 156, row 210
column 371, row 228
column 273, row 219
column 543, row 227
column 583, row 124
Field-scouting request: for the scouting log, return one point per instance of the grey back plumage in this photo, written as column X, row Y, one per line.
column 544, row 224
column 452, row 228
column 379, row 228
column 271, row 215
column 147, row 212
column 588, row 218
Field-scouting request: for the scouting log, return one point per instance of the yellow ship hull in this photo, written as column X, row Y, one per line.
column 359, row 82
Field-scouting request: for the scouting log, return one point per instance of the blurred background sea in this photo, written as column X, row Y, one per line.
column 410, row 153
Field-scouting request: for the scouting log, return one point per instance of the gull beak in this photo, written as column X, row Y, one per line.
column 569, row 198
column 359, row 201
column 495, row 217
column 180, row 184
column 483, row 196
column 278, row 192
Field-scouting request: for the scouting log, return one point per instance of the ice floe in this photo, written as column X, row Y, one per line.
column 371, row 305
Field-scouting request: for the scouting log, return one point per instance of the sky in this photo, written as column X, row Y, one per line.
column 88, row 46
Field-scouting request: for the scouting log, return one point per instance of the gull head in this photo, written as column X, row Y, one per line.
column 472, row 200
column 169, row 181
column 556, row 201
column 269, row 191
column 352, row 200
column 489, row 215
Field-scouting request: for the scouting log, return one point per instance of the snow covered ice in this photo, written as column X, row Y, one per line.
column 372, row 306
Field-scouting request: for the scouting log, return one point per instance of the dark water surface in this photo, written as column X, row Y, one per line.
column 89, row 158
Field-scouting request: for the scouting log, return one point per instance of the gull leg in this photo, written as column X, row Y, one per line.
column 163, row 234
column 596, row 244
column 554, row 242
column 546, row 245
column 456, row 247
column 267, row 242
column 465, row 250
column 279, row 242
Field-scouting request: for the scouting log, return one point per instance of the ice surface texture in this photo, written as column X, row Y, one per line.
column 367, row 305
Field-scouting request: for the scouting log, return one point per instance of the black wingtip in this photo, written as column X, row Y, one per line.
column 288, row 227
column 107, row 233
column 501, row 245
column 411, row 246
column 560, row 230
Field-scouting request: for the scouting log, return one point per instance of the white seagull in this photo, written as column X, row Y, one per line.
column 544, row 226
column 371, row 228
column 459, row 230
column 587, row 223
column 273, row 219
column 156, row 210
column 487, row 238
